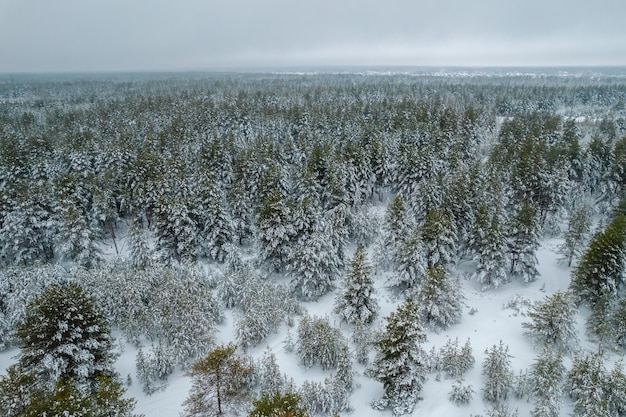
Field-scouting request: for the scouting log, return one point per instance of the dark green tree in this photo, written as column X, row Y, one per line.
column 356, row 303
column 65, row 335
column 601, row 267
column 401, row 363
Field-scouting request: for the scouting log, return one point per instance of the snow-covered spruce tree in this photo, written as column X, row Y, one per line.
column 396, row 226
column 547, row 378
column 618, row 323
column 599, row 324
column 439, row 239
column 409, row 262
column 587, row 383
column 154, row 368
column 138, row 245
column 313, row 263
column 217, row 229
column 401, row 363
column 19, row 397
column 602, row 266
column 220, row 381
column 456, row 360
column 491, row 269
column 498, row 374
column 270, row 380
column 75, row 240
column 26, row 234
column 65, row 335
column 319, row 343
column 355, row 302
column 278, row 404
column 553, row 322
column 440, row 299
column 175, row 228
column 461, row 394
column 578, row 229
column 275, row 230
column 523, row 241
column 362, row 343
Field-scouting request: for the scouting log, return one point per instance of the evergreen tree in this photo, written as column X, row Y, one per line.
column 439, row 239
column 396, row 226
column 75, row 238
column 219, row 381
column 271, row 381
column 440, row 299
column 319, row 343
column 139, row 249
column 523, row 241
column 409, row 262
column 401, row 363
column 356, row 303
column 547, row 376
column 275, row 230
column 587, row 385
column 601, row 268
column 491, row 269
column 553, row 322
column 498, row 373
column 65, row 335
column 456, row 360
column 277, row 404
column 578, row 229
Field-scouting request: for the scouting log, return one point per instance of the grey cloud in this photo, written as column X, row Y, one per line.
column 42, row 35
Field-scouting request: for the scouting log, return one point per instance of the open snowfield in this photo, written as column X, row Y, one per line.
column 489, row 316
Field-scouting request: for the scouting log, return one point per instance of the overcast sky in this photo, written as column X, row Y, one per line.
column 122, row 35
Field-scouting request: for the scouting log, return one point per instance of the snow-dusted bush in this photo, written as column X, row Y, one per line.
column 319, row 343
column 154, row 368
column 456, row 360
column 461, row 394
column 552, row 322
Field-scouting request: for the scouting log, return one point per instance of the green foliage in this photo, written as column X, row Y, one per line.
column 401, row 364
column 65, row 335
column 219, row 380
column 601, row 267
column 277, row 405
column 356, row 303
column 552, row 323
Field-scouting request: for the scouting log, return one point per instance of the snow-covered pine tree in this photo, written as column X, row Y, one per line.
column 547, row 377
column 578, row 229
column 409, row 262
column 220, row 381
column 313, row 263
column 601, row 267
column 355, row 302
column 440, row 299
column 75, row 238
column 491, row 269
column 498, row 373
column 396, row 226
column 270, row 380
column 523, row 241
column 217, row 231
column 439, row 238
column 461, row 394
column 275, row 230
column 401, row 363
column 587, row 384
column 456, row 360
column 319, row 343
column 139, row 249
column 65, row 335
column 553, row 322
column 27, row 233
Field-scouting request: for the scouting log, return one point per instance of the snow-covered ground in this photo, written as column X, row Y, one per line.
column 489, row 316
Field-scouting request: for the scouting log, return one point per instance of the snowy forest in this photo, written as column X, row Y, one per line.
column 313, row 244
